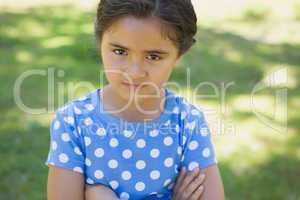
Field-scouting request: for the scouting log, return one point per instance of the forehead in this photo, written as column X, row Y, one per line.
column 139, row 32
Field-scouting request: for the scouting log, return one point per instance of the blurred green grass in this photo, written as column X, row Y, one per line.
column 256, row 13
column 256, row 162
column 297, row 11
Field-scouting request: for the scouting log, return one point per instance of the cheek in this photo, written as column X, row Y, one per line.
column 112, row 67
column 161, row 74
column 113, row 78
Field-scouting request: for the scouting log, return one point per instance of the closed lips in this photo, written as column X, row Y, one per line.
column 129, row 84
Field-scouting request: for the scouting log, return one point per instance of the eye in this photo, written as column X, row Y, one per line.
column 153, row 57
column 120, row 52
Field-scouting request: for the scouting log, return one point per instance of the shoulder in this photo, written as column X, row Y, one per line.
column 74, row 110
column 184, row 107
column 189, row 114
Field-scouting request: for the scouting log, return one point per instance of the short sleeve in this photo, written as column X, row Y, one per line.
column 198, row 149
column 65, row 144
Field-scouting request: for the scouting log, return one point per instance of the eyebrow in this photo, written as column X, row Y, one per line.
column 156, row 51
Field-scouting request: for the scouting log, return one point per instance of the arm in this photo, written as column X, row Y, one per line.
column 213, row 186
column 99, row 192
column 64, row 184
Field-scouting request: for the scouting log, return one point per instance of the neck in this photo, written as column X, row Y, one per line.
column 135, row 109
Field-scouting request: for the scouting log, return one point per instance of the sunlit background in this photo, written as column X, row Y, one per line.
column 250, row 47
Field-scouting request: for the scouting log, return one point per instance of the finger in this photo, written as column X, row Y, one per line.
column 182, row 174
column 197, row 194
column 192, row 186
column 195, row 184
column 179, row 179
column 190, row 176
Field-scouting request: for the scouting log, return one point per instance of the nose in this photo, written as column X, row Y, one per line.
column 135, row 71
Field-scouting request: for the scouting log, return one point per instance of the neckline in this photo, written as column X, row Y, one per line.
column 114, row 119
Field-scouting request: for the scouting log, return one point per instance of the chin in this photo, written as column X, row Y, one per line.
column 128, row 93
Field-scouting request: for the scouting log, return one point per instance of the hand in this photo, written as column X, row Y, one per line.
column 188, row 185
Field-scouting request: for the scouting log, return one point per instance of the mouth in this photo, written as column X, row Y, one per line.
column 132, row 85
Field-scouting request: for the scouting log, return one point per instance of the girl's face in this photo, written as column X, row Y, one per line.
column 137, row 58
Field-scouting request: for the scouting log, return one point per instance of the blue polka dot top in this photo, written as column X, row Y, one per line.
column 137, row 160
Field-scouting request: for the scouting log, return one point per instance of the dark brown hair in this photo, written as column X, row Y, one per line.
column 179, row 21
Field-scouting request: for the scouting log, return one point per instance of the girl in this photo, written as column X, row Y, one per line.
column 134, row 138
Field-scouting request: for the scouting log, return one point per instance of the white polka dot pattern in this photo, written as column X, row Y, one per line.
column 132, row 162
